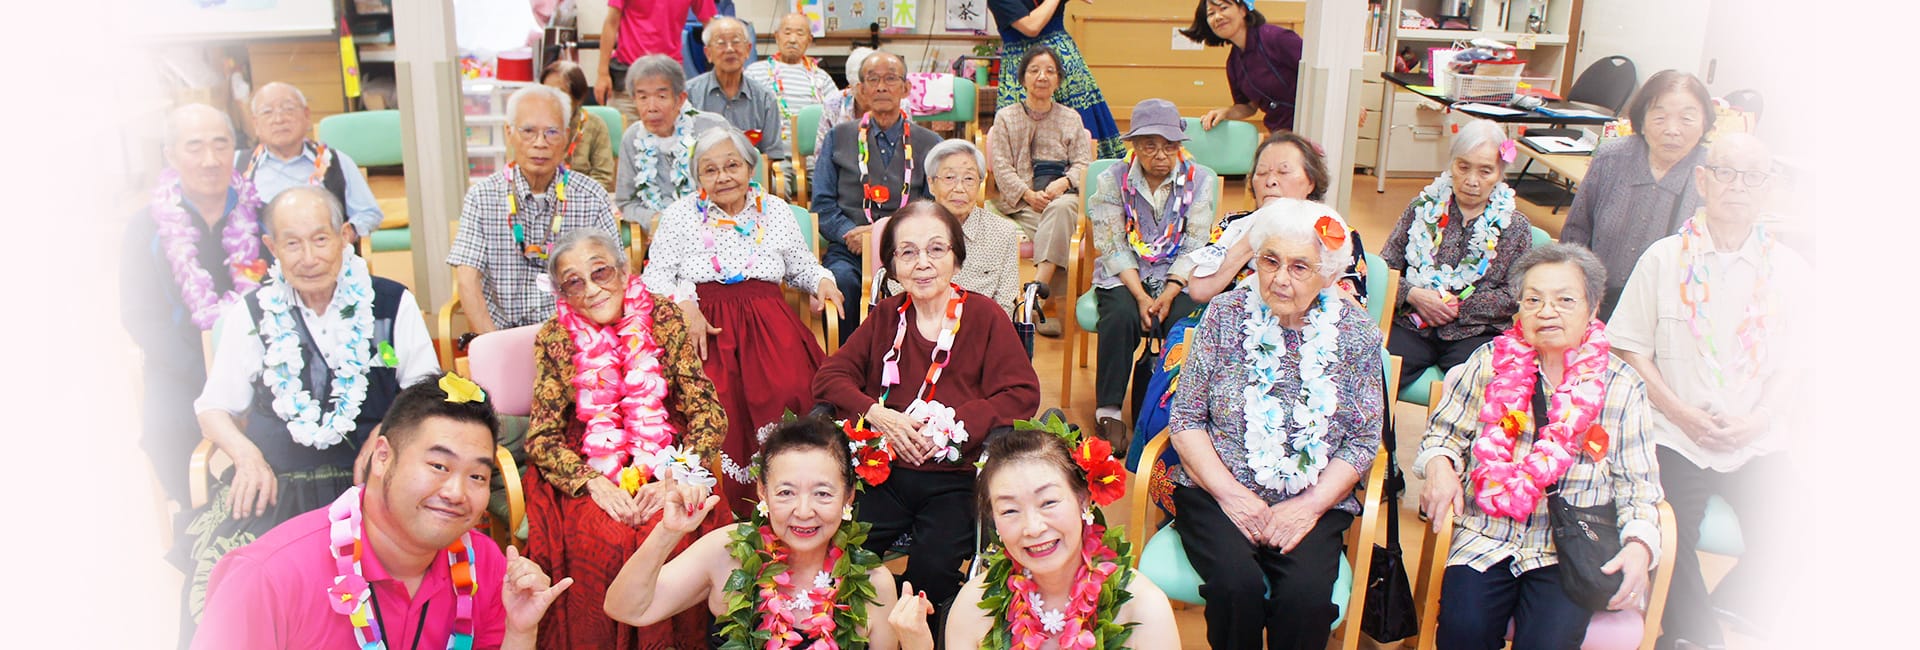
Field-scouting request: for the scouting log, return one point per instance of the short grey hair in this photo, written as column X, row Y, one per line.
column 657, row 66
column 712, row 137
column 262, row 90
column 1477, row 133
column 873, row 56
column 336, row 214
column 576, row 238
column 181, row 112
column 1575, row 254
column 713, row 25
column 1294, row 220
column 949, row 148
column 551, row 93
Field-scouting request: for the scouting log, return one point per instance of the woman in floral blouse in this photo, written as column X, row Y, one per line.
column 1277, row 417
column 622, row 416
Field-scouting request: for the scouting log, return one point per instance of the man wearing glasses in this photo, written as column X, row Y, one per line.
column 510, row 220
column 866, row 169
column 1706, row 319
column 286, row 158
column 750, row 106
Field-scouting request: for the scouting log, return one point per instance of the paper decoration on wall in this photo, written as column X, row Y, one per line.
column 967, row 16
column 893, row 16
column 815, row 18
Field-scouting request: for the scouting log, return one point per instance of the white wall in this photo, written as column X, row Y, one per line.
column 1656, row 34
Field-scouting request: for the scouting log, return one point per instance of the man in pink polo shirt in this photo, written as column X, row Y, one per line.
column 635, row 28
column 423, row 577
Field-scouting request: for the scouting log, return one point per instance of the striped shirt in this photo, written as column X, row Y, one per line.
column 485, row 240
column 799, row 86
column 1628, row 476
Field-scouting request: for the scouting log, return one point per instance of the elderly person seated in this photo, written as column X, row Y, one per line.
column 1718, row 418
column 721, row 255
column 1637, row 189
column 411, row 527
column 1147, row 210
column 510, row 221
column 604, row 454
column 1277, row 417
column 295, row 414
column 286, row 157
column 1040, row 153
column 749, row 105
column 193, row 250
column 1285, row 165
column 1591, row 445
column 845, row 104
column 935, row 370
column 590, row 148
column 953, row 175
column 865, row 170
column 797, row 80
column 1453, row 246
column 655, row 170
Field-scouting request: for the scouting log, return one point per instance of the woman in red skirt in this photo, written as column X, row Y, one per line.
column 622, row 418
column 721, row 255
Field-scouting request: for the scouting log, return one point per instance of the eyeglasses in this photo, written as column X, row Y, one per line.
column 962, row 181
column 932, row 252
column 1297, row 269
column 575, row 287
column 283, row 108
column 728, row 44
column 1752, row 177
column 1562, row 304
column 733, row 167
column 548, row 134
column 1169, row 149
column 883, row 79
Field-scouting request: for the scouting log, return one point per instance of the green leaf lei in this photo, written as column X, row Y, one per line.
column 740, row 626
column 1107, row 634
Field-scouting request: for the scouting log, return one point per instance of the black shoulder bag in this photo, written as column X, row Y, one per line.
column 1388, row 615
column 1584, row 537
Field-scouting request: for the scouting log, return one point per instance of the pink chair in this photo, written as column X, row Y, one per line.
column 502, row 363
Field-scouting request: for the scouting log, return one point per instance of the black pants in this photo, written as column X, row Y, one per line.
column 1253, row 590
column 937, row 508
column 1687, row 486
column 1120, row 331
column 1423, row 348
column 1475, row 607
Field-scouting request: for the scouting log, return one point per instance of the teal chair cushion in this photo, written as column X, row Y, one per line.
column 807, row 229
column 1377, row 297
column 371, row 138
column 809, row 128
column 392, row 240
column 1417, row 393
column 1087, row 311
column 966, row 106
column 1720, row 530
column 1164, row 561
column 1227, row 149
column 616, row 123
column 1540, row 237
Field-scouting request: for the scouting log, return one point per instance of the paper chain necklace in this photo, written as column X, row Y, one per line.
column 757, row 232
column 872, row 195
column 352, row 596
column 1167, row 244
column 536, row 252
column 1696, row 292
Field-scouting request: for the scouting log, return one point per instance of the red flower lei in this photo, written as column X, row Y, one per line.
column 1098, row 563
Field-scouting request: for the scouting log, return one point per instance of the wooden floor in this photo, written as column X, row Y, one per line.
column 1373, row 214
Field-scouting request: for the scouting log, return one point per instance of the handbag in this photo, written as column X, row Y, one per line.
column 1388, row 614
column 1045, row 172
column 1584, row 537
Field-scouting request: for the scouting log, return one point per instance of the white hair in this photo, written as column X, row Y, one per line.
column 706, row 35
column 1294, row 220
column 949, row 148
column 1474, row 134
column 576, row 238
column 551, row 93
column 336, row 215
column 253, row 102
column 712, row 137
column 856, row 58
column 861, row 72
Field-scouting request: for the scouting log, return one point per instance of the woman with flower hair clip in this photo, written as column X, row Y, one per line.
column 794, row 575
column 1057, row 575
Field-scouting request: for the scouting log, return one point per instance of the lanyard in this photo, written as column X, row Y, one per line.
column 321, row 161
column 419, row 627
column 942, row 349
column 872, row 195
column 535, row 252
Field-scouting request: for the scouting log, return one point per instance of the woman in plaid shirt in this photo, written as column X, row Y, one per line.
column 1502, row 565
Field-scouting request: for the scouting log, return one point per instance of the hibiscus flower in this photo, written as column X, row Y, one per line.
column 873, row 465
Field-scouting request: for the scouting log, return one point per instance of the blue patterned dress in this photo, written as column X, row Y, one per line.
column 1077, row 86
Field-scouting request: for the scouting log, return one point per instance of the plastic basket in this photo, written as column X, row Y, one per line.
column 1476, row 87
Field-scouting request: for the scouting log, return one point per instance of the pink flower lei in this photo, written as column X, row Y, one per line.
column 622, row 391
column 1078, row 623
column 180, row 242
column 780, row 613
column 1508, row 487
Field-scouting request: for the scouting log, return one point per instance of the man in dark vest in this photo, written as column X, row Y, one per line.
column 304, row 369
column 851, row 190
column 286, row 158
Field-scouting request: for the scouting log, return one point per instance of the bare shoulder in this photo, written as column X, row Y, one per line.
column 967, row 624
column 1154, row 614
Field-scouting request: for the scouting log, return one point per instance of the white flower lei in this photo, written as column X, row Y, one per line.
column 284, row 363
column 648, row 163
column 1289, row 464
column 1431, row 205
column 939, row 424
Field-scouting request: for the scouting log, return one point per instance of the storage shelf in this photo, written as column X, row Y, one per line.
column 1468, row 35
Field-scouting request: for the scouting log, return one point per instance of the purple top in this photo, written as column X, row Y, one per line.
column 1264, row 74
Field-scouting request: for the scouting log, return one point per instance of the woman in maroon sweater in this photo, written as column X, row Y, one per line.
column 935, row 423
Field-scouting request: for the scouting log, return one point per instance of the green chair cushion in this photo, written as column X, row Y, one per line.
column 966, row 107
column 1087, row 311
column 1227, row 149
column 809, row 128
column 371, row 138
column 616, row 123
column 392, row 240
column 807, row 228
column 1720, row 530
column 1417, row 393
column 1376, row 286
column 1164, row 561
column 1540, row 237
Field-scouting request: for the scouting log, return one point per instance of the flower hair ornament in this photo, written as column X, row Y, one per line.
column 1105, row 475
column 1331, row 232
column 1508, row 151
column 461, row 390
